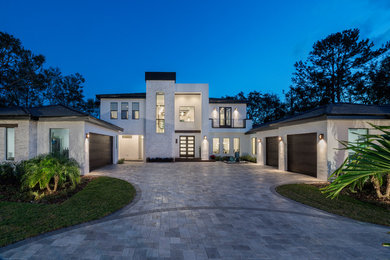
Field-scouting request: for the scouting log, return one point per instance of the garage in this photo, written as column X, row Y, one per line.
column 271, row 146
column 302, row 153
column 100, row 151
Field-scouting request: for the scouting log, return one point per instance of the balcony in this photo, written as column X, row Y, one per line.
column 235, row 123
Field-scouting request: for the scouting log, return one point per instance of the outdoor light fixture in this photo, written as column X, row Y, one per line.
column 259, row 140
column 87, row 135
column 321, row 136
column 235, row 109
column 280, row 138
column 205, row 137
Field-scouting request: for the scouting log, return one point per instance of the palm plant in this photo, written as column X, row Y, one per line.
column 41, row 170
column 368, row 163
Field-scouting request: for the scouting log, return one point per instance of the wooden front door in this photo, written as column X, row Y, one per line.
column 187, row 146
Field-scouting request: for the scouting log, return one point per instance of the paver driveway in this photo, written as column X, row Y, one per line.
column 209, row 210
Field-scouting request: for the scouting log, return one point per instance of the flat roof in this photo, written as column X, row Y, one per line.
column 160, row 76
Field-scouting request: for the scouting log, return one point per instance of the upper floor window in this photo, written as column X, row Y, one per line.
column 10, row 144
column 225, row 116
column 187, row 114
column 125, row 110
column 114, row 110
column 160, row 113
column 135, row 110
column 59, row 141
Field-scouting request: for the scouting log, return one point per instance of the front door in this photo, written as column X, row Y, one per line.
column 187, row 146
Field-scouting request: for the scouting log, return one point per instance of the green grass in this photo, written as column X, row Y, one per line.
column 102, row 196
column 344, row 205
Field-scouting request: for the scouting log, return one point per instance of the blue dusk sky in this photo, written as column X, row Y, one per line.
column 232, row 45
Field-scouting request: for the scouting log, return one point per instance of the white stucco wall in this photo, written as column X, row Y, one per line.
column 130, row 126
column 160, row 144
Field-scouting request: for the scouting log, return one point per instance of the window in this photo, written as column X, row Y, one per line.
column 10, row 143
column 225, row 116
column 59, row 141
column 253, row 144
column 236, row 145
column 187, row 114
column 114, row 110
column 226, row 145
column 356, row 135
column 160, row 113
column 216, row 145
column 125, row 110
column 135, row 110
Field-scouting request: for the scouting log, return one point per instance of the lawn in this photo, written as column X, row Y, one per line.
column 101, row 196
column 344, row 205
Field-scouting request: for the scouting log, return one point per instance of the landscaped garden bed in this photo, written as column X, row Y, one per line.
column 47, row 193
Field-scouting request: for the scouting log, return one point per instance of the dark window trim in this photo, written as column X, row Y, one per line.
column 225, row 125
column 6, row 144
column 114, row 110
column 134, row 110
column 125, row 112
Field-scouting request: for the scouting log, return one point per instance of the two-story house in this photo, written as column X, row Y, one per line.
column 173, row 120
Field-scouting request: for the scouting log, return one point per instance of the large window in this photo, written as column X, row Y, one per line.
column 187, row 114
column 226, row 145
column 135, row 110
column 253, row 145
column 356, row 135
column 236, row 145
column 114, row 110
column 125, row 110
column 10, row 143
column 225, row 116
column 59, row 141
column 216, row 145
column 160, row 113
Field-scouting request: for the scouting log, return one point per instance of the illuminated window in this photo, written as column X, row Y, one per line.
column 236, row 145
column 10, row 144
column 114, row 110
column 59, row 141
column 253, row 144
column 216, row 145
column 187, row 114
column 226, row 145
column 160, row 113
column 124, row 110
column 135, row 110
column 225, row 116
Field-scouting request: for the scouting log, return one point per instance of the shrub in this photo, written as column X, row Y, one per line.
column 248, row 158
column 11, row 172
column 212, row 157
column 48, row 172
column 158, row 159
column 121, row 161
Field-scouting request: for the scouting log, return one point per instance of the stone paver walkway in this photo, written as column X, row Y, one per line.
column 209, row 210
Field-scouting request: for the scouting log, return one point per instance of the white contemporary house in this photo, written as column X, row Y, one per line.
column 181, row 122
column 173, row 120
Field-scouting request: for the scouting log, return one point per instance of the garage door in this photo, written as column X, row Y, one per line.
column 302, row 153
column 271, row 151
column 100, row 151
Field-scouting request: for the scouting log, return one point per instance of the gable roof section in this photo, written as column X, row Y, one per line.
column 331, row 111
column 56, row 112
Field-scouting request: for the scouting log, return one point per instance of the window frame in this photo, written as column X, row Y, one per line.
column 254, row 145
column 226, row 119
column 124, row 110
column 6, row 144
column 134, row 115
column 223, row 145
column 218, row 146
column 239, row 144
column 113, row 110
column 51, row 144
column 193, row 119
column 160, row 120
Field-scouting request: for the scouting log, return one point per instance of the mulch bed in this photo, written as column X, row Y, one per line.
column 13, row 194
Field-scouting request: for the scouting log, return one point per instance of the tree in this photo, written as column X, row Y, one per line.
column 332, row 70
column 92, row 106
column 20, row 74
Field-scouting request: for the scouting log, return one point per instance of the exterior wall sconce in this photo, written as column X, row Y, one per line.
column 259, row 140
column 205, row 137
column 321, row 136
column 235, row 109
column 87, row 135
column 280, row 139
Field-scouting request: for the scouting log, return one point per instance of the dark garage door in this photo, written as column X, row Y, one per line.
column 100, row 151
column 271, row 151
column 302, row 153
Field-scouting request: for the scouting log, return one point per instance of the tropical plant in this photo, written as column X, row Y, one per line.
column 368, row 162
column 50, row 172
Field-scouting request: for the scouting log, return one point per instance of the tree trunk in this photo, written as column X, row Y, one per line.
column 56, row 178
column 48, row 188
column 377, row 187
column 387, row 194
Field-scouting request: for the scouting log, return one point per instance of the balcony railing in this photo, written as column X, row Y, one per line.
column 235, row 123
